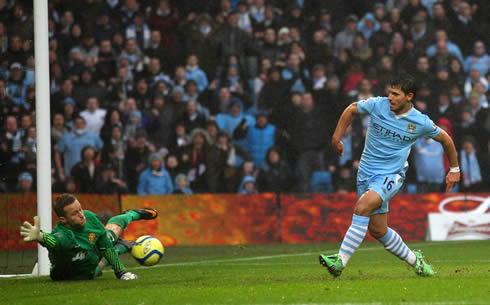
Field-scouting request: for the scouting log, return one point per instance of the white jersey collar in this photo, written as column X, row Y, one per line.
column 404, row 114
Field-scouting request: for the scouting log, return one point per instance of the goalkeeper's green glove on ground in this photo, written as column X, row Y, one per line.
column 32, row 232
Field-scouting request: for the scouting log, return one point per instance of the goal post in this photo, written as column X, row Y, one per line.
column 43, row 130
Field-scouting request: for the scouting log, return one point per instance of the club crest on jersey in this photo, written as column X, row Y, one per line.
column 411, row 128
column 91, row 237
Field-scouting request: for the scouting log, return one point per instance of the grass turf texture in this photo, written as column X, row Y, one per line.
column 276, row 274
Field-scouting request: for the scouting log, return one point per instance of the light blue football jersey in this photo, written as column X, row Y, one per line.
column 390, row 137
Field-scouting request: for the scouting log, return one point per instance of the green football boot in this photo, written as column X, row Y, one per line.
column 332, row 263
column 421, row 268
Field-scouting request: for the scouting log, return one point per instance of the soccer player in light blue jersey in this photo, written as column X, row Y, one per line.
column 394, row 128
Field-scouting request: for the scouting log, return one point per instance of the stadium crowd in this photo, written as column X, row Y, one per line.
column 161, row 96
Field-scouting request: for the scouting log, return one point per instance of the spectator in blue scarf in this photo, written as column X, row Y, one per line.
column 471, row 169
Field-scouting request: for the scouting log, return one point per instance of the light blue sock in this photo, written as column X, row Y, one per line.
column 394, row 243
column 353, row 238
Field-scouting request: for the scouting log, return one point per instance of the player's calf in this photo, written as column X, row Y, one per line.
column 393, row 243
column 123, row 220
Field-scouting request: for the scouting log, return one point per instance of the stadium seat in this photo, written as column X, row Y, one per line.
column 321, row 182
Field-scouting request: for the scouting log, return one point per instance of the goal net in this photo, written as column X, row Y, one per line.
column 16, row 256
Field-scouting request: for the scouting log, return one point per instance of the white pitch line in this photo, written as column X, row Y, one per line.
column 266, row 257
column 349, row 303
column 234, row 263
column 255, row 258
column 402, row 303
column 16, row 276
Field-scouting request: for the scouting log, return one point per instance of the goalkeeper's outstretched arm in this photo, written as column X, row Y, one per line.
column 33, row 233
column 105, row 246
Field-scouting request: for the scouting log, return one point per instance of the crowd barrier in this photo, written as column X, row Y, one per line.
column 221, row 219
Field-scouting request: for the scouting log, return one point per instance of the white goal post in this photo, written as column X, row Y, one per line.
column 43, row 130
column 43, row 134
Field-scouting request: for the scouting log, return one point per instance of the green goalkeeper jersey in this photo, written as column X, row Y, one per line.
column 75, row 253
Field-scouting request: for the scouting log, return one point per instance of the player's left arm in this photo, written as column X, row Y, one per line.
column 453, row 175
column 105, row 246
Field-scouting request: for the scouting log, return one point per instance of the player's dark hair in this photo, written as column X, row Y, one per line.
column 406, row 83
column 61, row 202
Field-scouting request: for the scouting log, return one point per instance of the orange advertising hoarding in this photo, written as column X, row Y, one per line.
column 221, row 219
column 208, row 219
column 289, row 218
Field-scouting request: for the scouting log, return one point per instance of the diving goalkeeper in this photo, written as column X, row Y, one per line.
column 79, row 245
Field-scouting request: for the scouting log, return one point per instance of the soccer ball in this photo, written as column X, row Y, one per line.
column 148, row 250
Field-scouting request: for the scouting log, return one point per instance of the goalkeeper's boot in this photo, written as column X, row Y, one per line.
column 145, row 213
column 122, row 246
column 421, row 267
column 332, row 263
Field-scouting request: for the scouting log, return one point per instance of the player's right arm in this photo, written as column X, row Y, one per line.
column 345, row 120
column 33, row 233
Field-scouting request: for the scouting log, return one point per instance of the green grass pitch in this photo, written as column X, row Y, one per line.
column 276, row 274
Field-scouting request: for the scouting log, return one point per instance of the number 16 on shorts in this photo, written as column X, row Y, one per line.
column 385, row 185
column 391, row 185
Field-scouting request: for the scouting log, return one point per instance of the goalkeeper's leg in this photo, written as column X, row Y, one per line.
column 118, row 223
column 115, row 228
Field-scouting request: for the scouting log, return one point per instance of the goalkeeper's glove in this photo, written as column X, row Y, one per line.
column 126, row 275
column 32, row 232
